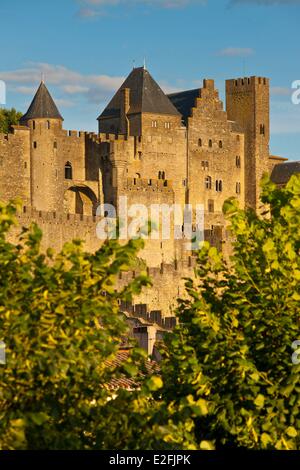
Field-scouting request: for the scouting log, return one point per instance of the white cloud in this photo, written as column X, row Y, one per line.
column 74, row 89
column 66, row 83
column 25, row 90
column 280, row 91
column 265, row 2
column 69, row 81
column 64, row 103
column 87, row 13
column 236, row 52
column 158, row 3
column 285, row 117
column 93, row 8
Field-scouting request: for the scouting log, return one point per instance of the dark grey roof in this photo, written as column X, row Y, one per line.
column 283, row 171
column 145, row 96
column 42, row 106
column 184, row 101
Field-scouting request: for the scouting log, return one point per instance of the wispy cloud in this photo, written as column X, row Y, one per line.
column 158, row 3
column 74, row 89
column 280, row 91
column 25, row 90
column 285, row 117
column 88, row 13
column 94, row 8
column 265, row 2
column 67, row 83
column 61, row 102
column 236, row 52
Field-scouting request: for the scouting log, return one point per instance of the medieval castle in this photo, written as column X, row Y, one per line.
column 154, row 148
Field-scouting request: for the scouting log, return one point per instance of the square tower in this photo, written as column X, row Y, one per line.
column 248, row 104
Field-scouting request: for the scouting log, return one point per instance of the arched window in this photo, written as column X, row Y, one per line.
column 238, row 188
column 238, row 162
column 210, row 143
column 200, row 143
column 68, row 171
column 208, row 182
column 163, row 175
column 220, row 144
column 33, row 125
column 219, row 186
column 262, row 129
column 48, row 124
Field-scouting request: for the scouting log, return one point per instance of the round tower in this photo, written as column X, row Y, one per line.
column 45, row 123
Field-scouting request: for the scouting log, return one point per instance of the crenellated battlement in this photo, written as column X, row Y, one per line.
column 146, row 317
column 5, row 138
column 15, row 135
column 114, row 137
column 193, row 152
column 31, row 213
column 149, row 184
column 246, row 83
column 184, row 265
column 108, row 138
column 73, row 134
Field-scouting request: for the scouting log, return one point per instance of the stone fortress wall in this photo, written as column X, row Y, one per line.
column 152, row 149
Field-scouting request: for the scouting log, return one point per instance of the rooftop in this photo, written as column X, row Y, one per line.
column 146, row 96
column 42, row 106
column 184, row 101
column 283, row 171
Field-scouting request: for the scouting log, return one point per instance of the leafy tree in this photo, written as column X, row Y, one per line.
column 227, row 377
column 231, row 354
column 60, row 321
column 8, row 118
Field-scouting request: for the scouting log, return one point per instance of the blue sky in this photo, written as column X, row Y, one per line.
column 86, row 47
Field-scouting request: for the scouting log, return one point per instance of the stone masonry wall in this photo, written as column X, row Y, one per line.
column 15, row 165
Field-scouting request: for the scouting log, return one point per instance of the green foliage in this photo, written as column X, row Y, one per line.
column 8, row 118
column 227, row 378
column 230, row 356
column 60, row 321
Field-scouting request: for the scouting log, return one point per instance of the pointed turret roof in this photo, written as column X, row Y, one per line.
column 42, row 106
column 146, row 96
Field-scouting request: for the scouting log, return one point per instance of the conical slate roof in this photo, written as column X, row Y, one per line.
column 42, row 106
column 145, row 96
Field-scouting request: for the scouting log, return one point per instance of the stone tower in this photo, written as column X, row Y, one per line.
column 155, row 143
column 45, row 123
column 247, row 103
column 135, row 105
